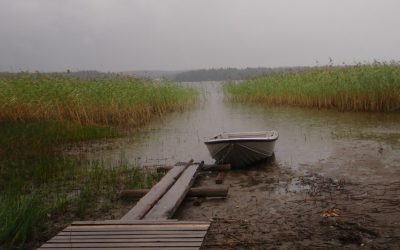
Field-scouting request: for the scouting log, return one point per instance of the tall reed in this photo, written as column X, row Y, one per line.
column 118, row 100
column 369, row 87
column 39, row 113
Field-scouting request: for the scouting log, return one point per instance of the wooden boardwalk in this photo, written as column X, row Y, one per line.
column 147, row 225
column 141, row 234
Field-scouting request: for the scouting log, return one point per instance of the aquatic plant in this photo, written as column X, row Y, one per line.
column 368, row 87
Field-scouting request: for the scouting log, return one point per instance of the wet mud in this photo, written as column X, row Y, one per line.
column 273, row 208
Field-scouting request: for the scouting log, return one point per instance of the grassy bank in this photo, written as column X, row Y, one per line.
column 373, row 87
column 42, row 191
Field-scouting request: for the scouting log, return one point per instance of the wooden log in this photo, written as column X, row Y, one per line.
column 193, row 192
column 212, row 167
column 155, row 194
column 162, row 169
column 215, row 167
column 167, row 205
column 220, row 178
column 208, row 192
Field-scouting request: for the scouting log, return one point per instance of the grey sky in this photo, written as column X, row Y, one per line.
column 116, row 35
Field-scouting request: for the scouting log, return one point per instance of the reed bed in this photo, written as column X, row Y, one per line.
column 41, row 190
column 118, row 100
column 368, row 87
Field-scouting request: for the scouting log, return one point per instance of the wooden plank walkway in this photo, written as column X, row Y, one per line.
column 167, row 205
column 155, row 194
column 147, row 225
column 141, row 234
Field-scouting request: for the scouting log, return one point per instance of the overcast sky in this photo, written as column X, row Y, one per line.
column 117, row 35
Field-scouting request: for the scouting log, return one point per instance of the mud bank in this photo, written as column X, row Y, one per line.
column 274, row 208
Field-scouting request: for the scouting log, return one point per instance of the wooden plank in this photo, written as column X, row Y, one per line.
column 105, row 228
column 136, row 248
column 169, row 225
column 167, row 205
column 133, row 232
column 193, row 192
column 168, row 234
column 117, row 245
column 86, row 240
column 199, row 235
column 138, row 222
column 148, row 201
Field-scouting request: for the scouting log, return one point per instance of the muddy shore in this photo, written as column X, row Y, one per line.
column 274, row 208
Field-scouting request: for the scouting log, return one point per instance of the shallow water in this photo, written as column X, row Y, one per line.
column 359, row 146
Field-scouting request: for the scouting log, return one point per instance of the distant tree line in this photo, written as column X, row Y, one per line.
column 227, row 74
column 200, row 75
column 83, row 74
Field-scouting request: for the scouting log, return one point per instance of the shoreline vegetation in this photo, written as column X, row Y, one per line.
column 42, row 190
column 360, row 88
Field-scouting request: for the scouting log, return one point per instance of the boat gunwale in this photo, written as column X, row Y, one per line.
column 233, row 140
column 273, row 137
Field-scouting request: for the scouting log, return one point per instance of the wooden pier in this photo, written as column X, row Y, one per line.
column 142, row 234
column 148, row 225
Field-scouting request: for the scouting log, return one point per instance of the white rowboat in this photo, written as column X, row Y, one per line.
column 242, row 149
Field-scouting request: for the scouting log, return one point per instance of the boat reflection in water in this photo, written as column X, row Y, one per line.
column 242, row 149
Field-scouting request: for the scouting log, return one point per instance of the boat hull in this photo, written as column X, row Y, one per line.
column 241, row 153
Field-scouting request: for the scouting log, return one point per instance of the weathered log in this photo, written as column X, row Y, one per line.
column 209, row 192
column 154, row 195
column 220, row 178
column 164, row 169
column 212, row 167
column 193, row 192
column 215, row 167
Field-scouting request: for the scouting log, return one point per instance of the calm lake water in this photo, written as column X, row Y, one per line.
column 361, row 146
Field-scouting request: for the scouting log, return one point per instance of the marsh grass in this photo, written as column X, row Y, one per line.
column 369, row 87
column 41, row 190
column 118, row 100
column 32, row 139
column 42, row 194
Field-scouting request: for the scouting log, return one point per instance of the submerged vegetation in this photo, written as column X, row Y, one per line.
column 372, row 87
column 42, row 190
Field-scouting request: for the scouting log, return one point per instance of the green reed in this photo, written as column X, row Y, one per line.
column 41, row 115
column 369, row 87
column 118, row 100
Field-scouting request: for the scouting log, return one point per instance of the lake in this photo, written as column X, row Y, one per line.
column 355, row 145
